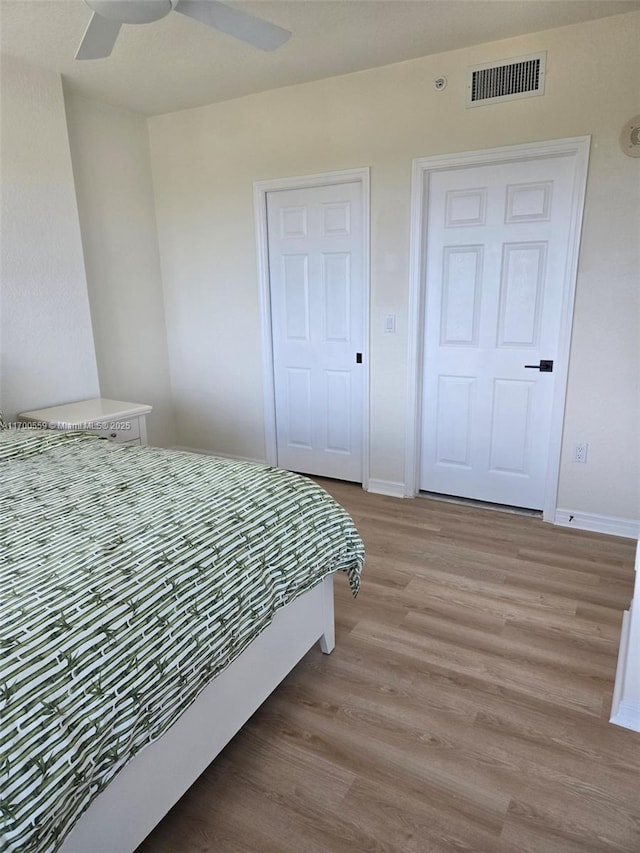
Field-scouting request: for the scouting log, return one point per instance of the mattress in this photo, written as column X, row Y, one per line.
column 130, row 577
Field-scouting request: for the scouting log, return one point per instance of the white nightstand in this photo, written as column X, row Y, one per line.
column 120, row 422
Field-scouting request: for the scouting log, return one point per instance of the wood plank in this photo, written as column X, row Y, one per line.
column 463, row 708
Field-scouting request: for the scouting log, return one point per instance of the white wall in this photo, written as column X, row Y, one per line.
column 47, row 354
column 205, row 161
column 110, row 155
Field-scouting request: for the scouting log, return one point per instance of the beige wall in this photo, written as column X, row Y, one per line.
column 110, row 154
column 47, row 353
column 205, row 161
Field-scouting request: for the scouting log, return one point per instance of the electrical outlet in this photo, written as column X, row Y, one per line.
column 580, row 453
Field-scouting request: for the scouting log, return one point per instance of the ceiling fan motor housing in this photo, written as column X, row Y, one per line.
column 132, row 11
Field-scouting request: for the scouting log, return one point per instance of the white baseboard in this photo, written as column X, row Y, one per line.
column 627, row 715
column 625, row 712
column 618, row 715
column 386, row 487
column 378, row 487
column 218, row 453
column 627, row 527
column 625, row 705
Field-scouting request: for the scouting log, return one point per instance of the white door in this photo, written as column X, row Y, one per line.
column 315, row 240
column 497, row 243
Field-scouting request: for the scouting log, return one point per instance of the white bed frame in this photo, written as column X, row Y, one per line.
column 121, row 817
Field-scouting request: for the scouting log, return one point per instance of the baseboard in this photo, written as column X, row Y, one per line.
column 386, row 487
column 624, row 712
column 625, row 704
column 218, row 453
column 621, row 669
column 627, row 715
column 378, row 487
column 629, row 528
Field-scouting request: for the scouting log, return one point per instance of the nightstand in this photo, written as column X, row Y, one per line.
column 124, row 423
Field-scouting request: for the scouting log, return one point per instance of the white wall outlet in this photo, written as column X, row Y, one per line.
column 580, row 453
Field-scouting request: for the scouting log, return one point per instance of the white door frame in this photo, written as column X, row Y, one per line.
column 576, row 147
column 260, row 190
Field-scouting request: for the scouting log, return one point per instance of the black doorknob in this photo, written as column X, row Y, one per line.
column 545, row 366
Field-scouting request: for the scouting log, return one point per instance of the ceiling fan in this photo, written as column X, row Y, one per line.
column 109, row 15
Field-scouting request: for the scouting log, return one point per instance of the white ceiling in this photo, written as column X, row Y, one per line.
column 177, row 63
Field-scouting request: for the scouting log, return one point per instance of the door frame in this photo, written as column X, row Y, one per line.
column 260, row 190
column 578, row 149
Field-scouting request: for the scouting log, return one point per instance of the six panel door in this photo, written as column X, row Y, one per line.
column 315, row 241
column 496, row 268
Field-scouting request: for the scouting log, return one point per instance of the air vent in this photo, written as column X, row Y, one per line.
column 506, row 81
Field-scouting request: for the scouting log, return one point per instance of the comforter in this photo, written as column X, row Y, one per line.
column 130, row 577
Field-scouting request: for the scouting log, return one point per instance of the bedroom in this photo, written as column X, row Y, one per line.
column 173, row 318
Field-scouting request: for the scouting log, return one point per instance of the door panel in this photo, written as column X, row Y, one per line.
column 338, row 396
column 315, row 243
column 497, row 238
column 337, row 286
column 297, row 407
column 295, row 273
column 509, row 424
column 523, row 267
column 454, row 416
column 461, row 289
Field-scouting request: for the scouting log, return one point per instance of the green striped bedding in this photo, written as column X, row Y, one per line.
column 130, row 578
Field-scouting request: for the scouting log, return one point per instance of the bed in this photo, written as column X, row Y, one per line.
column 151, row 601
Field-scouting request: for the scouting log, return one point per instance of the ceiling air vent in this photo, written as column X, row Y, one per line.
column 506, row 81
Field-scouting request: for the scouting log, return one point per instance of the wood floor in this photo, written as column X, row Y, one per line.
column 465, row 707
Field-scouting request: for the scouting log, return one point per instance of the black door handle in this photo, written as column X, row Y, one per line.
column 358, row 358
column 545, row 366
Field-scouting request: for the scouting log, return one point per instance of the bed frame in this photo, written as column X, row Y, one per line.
column 121, row 817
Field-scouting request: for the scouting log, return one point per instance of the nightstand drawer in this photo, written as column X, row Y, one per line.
column 120, row 431
column 115, row 420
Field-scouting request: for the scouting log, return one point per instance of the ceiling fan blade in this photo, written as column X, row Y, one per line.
column 99, row 38
column 256, row 31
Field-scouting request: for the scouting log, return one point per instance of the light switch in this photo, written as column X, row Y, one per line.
column 390, row 323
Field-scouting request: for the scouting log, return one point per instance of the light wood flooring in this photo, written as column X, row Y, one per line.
column 465, row 707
